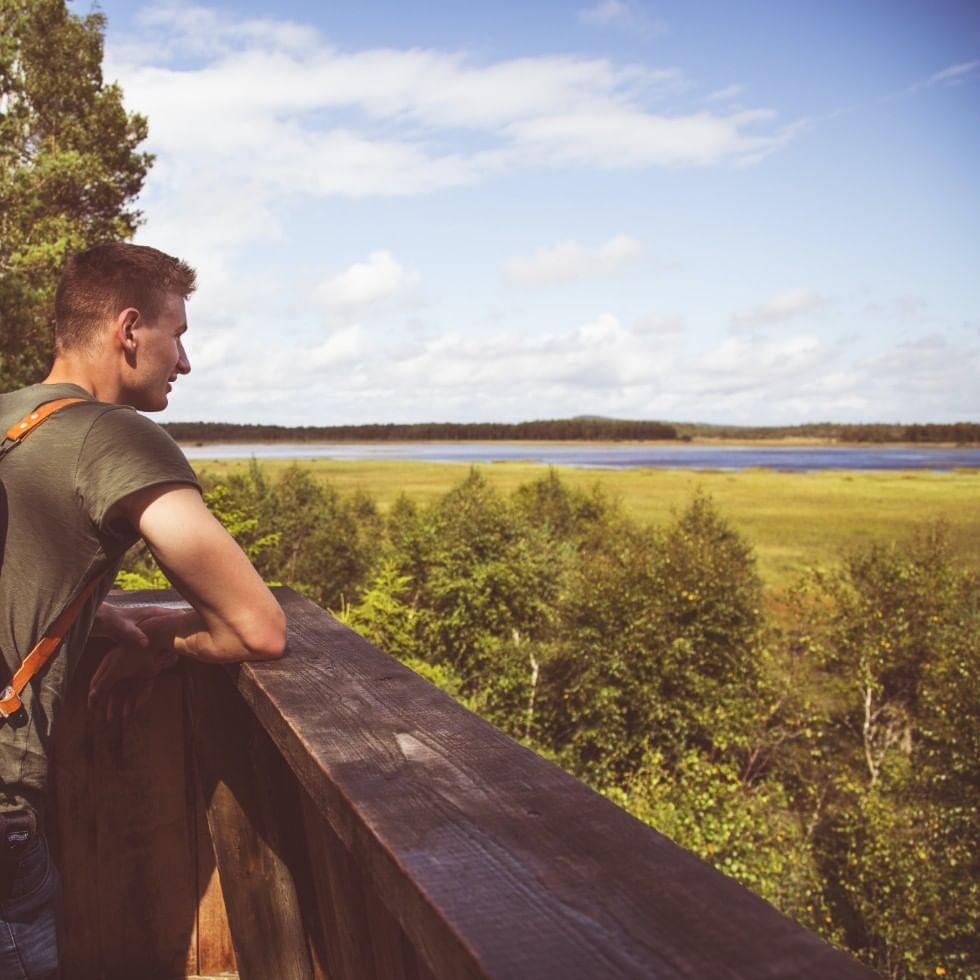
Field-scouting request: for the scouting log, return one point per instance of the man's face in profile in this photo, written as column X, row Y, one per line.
column 159, row 357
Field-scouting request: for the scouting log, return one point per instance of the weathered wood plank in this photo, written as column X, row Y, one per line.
column 124, row 841
column 74, row 781
column 249, row 797
column 211, row 953
column 494, row 861
column 362, row 939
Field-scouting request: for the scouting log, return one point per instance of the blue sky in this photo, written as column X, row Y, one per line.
column 760, row 213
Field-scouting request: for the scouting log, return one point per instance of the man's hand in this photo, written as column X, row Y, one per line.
column 124, row 680
column 122, row 624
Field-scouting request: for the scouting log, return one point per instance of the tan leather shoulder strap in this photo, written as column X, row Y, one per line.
column 10, row 699
column 30, row 422
column 41, row 654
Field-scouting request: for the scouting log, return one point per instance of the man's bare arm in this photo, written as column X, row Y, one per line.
column 235, row 615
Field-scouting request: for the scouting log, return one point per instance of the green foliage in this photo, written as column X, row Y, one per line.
column 69, row 168
column 385, row 616
column 147, row 575
column 443, row 678
column 748, row 831
column 830, row 764
column 658, row 647
column 240, row 522
column 328, row 543
column 473, row 587
column 896, row 631
column 794, row 521
column 306, row 533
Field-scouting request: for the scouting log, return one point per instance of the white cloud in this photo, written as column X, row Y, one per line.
column 357, row 374
column 341, row 348
column 931, row 366
column 911, row 306
column 954, row 73
column 783, row 306
column 569, row 260
column 660, row 324
column 250, row 116
column 623, row 137
column 725, row 94
column 605, row 12
column 622, row 14
column 211, row 351
column 380, row 282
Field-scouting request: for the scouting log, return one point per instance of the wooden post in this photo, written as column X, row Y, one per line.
column 362, row 939
column 255, row 827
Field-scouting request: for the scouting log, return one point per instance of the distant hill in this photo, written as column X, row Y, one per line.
column 961, row 433
column 591, row 428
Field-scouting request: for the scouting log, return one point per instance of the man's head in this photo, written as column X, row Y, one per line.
column 124, row 304
column 101, row 282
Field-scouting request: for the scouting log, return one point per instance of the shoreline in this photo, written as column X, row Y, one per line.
column 788, row 442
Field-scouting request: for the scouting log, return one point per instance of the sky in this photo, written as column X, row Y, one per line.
column 743, row 213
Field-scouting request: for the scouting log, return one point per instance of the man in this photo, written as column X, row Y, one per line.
column 74, row 495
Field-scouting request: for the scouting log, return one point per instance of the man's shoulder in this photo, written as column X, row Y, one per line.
column 18, row 404
column 127, row 431
column 109, row 434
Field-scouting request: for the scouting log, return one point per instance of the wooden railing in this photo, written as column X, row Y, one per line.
column 363, row 824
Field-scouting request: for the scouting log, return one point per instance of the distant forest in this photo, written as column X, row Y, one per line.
column 960, row 433
column 584, row 428
column 560, row 429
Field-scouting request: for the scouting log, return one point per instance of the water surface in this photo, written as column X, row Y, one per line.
column 683, row 456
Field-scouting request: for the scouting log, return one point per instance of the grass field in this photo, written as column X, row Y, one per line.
column 793, row 520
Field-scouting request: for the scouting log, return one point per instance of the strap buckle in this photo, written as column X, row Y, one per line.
column 18, row 828
column 10, row 702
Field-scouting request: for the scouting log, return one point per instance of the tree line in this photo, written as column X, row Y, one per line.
column 827, row 758
column 550, row 429
column 583, row 428
column 960, row 433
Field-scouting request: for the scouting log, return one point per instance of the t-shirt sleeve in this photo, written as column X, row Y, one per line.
column 124, row 452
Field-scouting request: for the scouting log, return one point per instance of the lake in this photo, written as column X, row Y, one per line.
column 683, row 456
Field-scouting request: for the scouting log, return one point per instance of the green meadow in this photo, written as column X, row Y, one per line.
column 793, row 520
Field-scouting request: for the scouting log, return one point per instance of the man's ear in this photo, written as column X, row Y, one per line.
column 127, row 324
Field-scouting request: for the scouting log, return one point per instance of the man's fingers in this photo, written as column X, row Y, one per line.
column 131, row 635
column 100, row 679
column 106, row 674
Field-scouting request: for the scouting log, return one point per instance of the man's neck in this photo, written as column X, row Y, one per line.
column 76, row 371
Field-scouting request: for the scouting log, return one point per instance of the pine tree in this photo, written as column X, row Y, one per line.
column 69, row 168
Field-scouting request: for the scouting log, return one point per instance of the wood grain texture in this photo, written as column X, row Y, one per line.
column 123, row 837
column 250, row 797
column 361, row 938
column 494, row 861
column 212, row 952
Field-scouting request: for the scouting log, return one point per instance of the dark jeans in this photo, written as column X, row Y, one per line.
column 29, row 911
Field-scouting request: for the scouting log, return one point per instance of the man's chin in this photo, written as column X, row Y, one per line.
column 150, row 405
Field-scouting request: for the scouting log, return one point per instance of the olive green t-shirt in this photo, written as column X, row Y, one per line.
column 58, row 531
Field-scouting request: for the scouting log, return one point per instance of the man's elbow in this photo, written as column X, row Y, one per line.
column 266, row 638
column 258, row 635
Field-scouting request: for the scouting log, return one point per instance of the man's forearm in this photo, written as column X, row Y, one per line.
column 186, row 634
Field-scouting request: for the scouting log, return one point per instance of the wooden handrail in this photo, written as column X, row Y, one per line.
column 366, row 825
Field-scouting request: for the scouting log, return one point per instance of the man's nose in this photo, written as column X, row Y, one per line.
column 183, row 362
